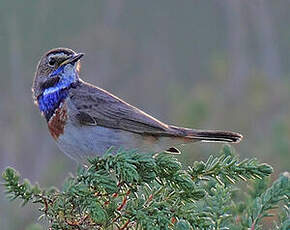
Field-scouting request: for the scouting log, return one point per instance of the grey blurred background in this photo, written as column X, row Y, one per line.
column 215, row 64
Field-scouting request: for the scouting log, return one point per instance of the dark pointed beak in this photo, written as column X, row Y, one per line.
column 72, row 59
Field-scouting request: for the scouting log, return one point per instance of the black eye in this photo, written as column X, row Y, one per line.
column 51, row 61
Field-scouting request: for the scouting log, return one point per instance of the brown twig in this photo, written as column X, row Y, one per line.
column 125, row 225
column 124, row 201
column 76, row 223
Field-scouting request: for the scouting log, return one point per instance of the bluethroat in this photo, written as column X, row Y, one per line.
column 85, row 120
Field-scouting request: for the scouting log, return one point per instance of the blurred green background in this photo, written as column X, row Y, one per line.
column 204, row 64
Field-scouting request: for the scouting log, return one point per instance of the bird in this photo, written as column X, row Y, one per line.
column 85, row 120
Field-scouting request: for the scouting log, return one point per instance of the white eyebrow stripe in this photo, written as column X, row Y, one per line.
column 57, row 55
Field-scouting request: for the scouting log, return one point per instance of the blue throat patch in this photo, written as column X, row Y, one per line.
column 51, row 97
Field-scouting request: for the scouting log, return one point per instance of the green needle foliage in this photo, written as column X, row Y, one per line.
column 128, row 190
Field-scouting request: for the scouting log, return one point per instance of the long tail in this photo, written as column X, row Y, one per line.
column 211, row 135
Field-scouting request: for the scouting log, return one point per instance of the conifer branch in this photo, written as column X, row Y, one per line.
column 129, row 190
column 278, row 193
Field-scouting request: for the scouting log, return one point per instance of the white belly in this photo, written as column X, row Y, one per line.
column 81, row 142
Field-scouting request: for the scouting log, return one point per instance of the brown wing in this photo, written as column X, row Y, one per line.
column 96, row 106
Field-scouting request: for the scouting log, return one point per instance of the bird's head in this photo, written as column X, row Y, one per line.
column 50, row 65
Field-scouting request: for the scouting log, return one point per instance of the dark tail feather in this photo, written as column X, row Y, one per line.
column 214, row 136
column 210, row 135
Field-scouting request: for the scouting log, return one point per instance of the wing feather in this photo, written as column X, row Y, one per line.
column 96, row 106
